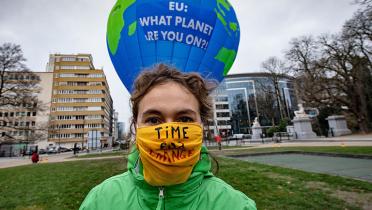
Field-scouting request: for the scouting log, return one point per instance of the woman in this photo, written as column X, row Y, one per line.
column 168, row 168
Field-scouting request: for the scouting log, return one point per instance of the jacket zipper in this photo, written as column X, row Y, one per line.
column 161, row 199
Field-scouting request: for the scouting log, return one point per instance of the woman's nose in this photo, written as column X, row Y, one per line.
column 169, row 119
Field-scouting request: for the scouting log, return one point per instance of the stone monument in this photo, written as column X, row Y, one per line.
column 256, row 129
column 302, row 124
column 337, row 125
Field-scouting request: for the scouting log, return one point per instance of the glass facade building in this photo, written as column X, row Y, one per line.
column 240, row 98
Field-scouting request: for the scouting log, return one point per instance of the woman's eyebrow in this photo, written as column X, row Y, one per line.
column 151, row 111
column 186, row 111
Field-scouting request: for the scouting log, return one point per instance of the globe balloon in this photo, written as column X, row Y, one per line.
column 192, row 35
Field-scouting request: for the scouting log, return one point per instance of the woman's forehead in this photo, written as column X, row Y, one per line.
column 169, row 97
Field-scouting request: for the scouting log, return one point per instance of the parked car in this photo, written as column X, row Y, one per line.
column 64, row 149
column 52, row 150
column 237, row 136
column 42, row 151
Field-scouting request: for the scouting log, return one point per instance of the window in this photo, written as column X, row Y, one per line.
column 222, row 106
column 222, row 98
column 82, row 67
column 79, row 126
column 64, row 117
column 95, row 92
column 78, row 135
column 67, row 67
column 65, row 108
column 80, row 108
column 65, row 126
column 95, row 100
column 222, row 122
column 83, row 59
column 75, row 67
column 223, row 114
column 66, row 75
column 80, row 100
column 68, row 59
column 93, row 117
column 95, row 83
column 81, row 91
column 94, row 108
column 93, row 126
column 95, row 75
column 80, row 117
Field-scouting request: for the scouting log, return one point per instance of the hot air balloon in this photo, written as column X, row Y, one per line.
column 192, row 35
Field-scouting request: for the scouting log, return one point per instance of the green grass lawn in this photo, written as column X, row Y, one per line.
column 53, row 185
column 355, row 150
column 64, row 185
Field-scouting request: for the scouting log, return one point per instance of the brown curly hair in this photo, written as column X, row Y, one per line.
column 162, row 73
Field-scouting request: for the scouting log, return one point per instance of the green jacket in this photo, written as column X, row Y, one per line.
column 201, row 191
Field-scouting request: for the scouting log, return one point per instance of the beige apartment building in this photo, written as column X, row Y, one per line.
column 81, row 103
column 27, row 124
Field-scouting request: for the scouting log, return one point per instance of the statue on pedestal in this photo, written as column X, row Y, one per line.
column 256, row 123
column 301, row 112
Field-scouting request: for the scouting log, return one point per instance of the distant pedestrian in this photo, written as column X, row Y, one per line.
column 35, row 157
column 218, row 139
column 75, row 148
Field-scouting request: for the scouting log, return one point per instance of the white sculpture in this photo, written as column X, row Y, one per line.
column 256, row 129
column 256, row 123
column 301, row 112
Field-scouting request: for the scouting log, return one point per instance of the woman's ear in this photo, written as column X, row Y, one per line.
column 133, row 127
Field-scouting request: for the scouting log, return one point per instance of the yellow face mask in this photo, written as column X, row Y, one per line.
column 169, row 151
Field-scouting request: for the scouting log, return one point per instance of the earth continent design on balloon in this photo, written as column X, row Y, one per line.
column 192, row 35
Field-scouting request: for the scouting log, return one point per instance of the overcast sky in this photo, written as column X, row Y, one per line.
column 42, row 27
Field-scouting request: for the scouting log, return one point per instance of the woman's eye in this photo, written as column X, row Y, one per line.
column 185, row 119
column 152, row 121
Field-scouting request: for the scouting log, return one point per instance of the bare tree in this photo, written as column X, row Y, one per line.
column 335, row 70
column 303, row 57
column 267, row 102
column 367, row 3
column 277, row 71
column 18, row 93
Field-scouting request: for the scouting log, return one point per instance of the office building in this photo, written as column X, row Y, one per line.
column 240, row 98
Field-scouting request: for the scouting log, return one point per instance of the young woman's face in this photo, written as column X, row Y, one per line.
column 168, row 102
